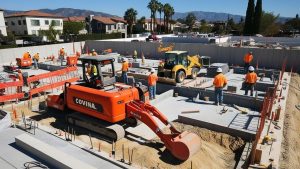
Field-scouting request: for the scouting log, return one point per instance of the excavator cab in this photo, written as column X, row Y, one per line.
column 93, row 74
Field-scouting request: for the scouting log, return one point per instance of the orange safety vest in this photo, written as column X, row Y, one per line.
column 152, row 78
column 248, row 58
column 26, row 55
column 220, row 80
column 36, row 57
column 62, row 52
column 125, row 66
column 251, row 77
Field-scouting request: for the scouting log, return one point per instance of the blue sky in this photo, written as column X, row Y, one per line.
column 287, row 8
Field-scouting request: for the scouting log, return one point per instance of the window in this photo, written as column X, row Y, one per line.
column 25, row 32
column 12, row 23
column 34, row 32
column 24, row 22
column 56, row 22
column 112, row 26
column 46, row 22
column 35, row 22
column 123, row 26
column 19, row 22
column 6, row 24
column 109, row 27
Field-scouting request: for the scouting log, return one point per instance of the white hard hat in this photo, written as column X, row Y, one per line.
column 219, row 70
column 93, row 50
column 63, row 47
column 124, row 59
column 152, row 70
column 251, row 68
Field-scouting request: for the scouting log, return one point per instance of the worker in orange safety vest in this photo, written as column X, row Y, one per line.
column 220, row 82
column 125, row 68
column 250, row 81
column 247, row 61
column 152, row 79
column 62, row 55
column 26, row 55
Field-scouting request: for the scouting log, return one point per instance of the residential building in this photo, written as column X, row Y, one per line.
column 108, row 25
column 147, row 25
column 32, row 22
column 2, row 24
column 78, row 19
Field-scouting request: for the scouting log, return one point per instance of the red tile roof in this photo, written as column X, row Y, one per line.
column 118, row 19
column 75, row 19
column 109, row 20
column 33, row 13
column 104, row 20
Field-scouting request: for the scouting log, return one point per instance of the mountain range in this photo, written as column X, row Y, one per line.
column 208, row 16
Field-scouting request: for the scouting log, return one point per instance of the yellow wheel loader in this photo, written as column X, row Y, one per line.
column 177, row 66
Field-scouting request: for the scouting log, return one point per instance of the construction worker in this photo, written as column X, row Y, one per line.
column 220, row 82
column 247, row 61
column 26, row 55
column 152, row 79
column 250, row 81
column 20, row 77
column 94, row 53
column 124, row 69
column 62, row 55
column 135, row 55
column 36, row 59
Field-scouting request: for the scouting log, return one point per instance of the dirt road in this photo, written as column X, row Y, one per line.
column 290, row 155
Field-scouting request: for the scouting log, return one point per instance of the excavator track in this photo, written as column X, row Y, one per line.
column 111, row 131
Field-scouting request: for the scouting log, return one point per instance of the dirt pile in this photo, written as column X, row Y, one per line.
column 217, row 150
column 290, row 155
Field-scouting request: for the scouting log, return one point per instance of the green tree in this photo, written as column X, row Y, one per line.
column 130, row 17
column 153, row 6
column 203, row 21
column 205, row 28
column 292, row 24
column 248, row 28
column 51, row 33
column 72, row 27
column 230, row 25
column 160, row 10
column 268, row 26
column 190, row 20
column 257, row 17
column 168, row 13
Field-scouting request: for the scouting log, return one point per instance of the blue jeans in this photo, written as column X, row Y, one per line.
column 35, row 62
column 61, row 58
column 152, row 91
column 124, row 77
column 219, row 95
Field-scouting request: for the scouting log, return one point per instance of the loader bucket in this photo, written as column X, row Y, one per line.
column 185, row 145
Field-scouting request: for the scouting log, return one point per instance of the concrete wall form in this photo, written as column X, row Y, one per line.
column 10, row 55
column 266, row 58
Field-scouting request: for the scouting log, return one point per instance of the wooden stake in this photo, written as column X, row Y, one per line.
column 91, row 141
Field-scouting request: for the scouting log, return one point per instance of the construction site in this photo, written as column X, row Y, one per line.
column 61, row 116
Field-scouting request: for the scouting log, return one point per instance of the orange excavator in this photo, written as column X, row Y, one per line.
column 102, row 105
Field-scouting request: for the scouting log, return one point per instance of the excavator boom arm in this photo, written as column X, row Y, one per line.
column 181, row 145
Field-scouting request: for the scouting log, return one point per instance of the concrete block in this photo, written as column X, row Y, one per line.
column 211, row 71
column 49, row 153
column 136, row 64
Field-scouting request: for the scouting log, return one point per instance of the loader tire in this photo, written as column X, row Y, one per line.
column 180, row 76
column 194, row 73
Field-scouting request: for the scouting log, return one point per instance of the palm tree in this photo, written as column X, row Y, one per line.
column 160, row 10
column 168, row 13
column 130, row 17
column 153, row 8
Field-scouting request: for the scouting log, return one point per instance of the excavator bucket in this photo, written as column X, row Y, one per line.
column 185, row 145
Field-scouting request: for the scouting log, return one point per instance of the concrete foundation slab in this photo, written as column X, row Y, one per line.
column 48, row 153
column 16, row 157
